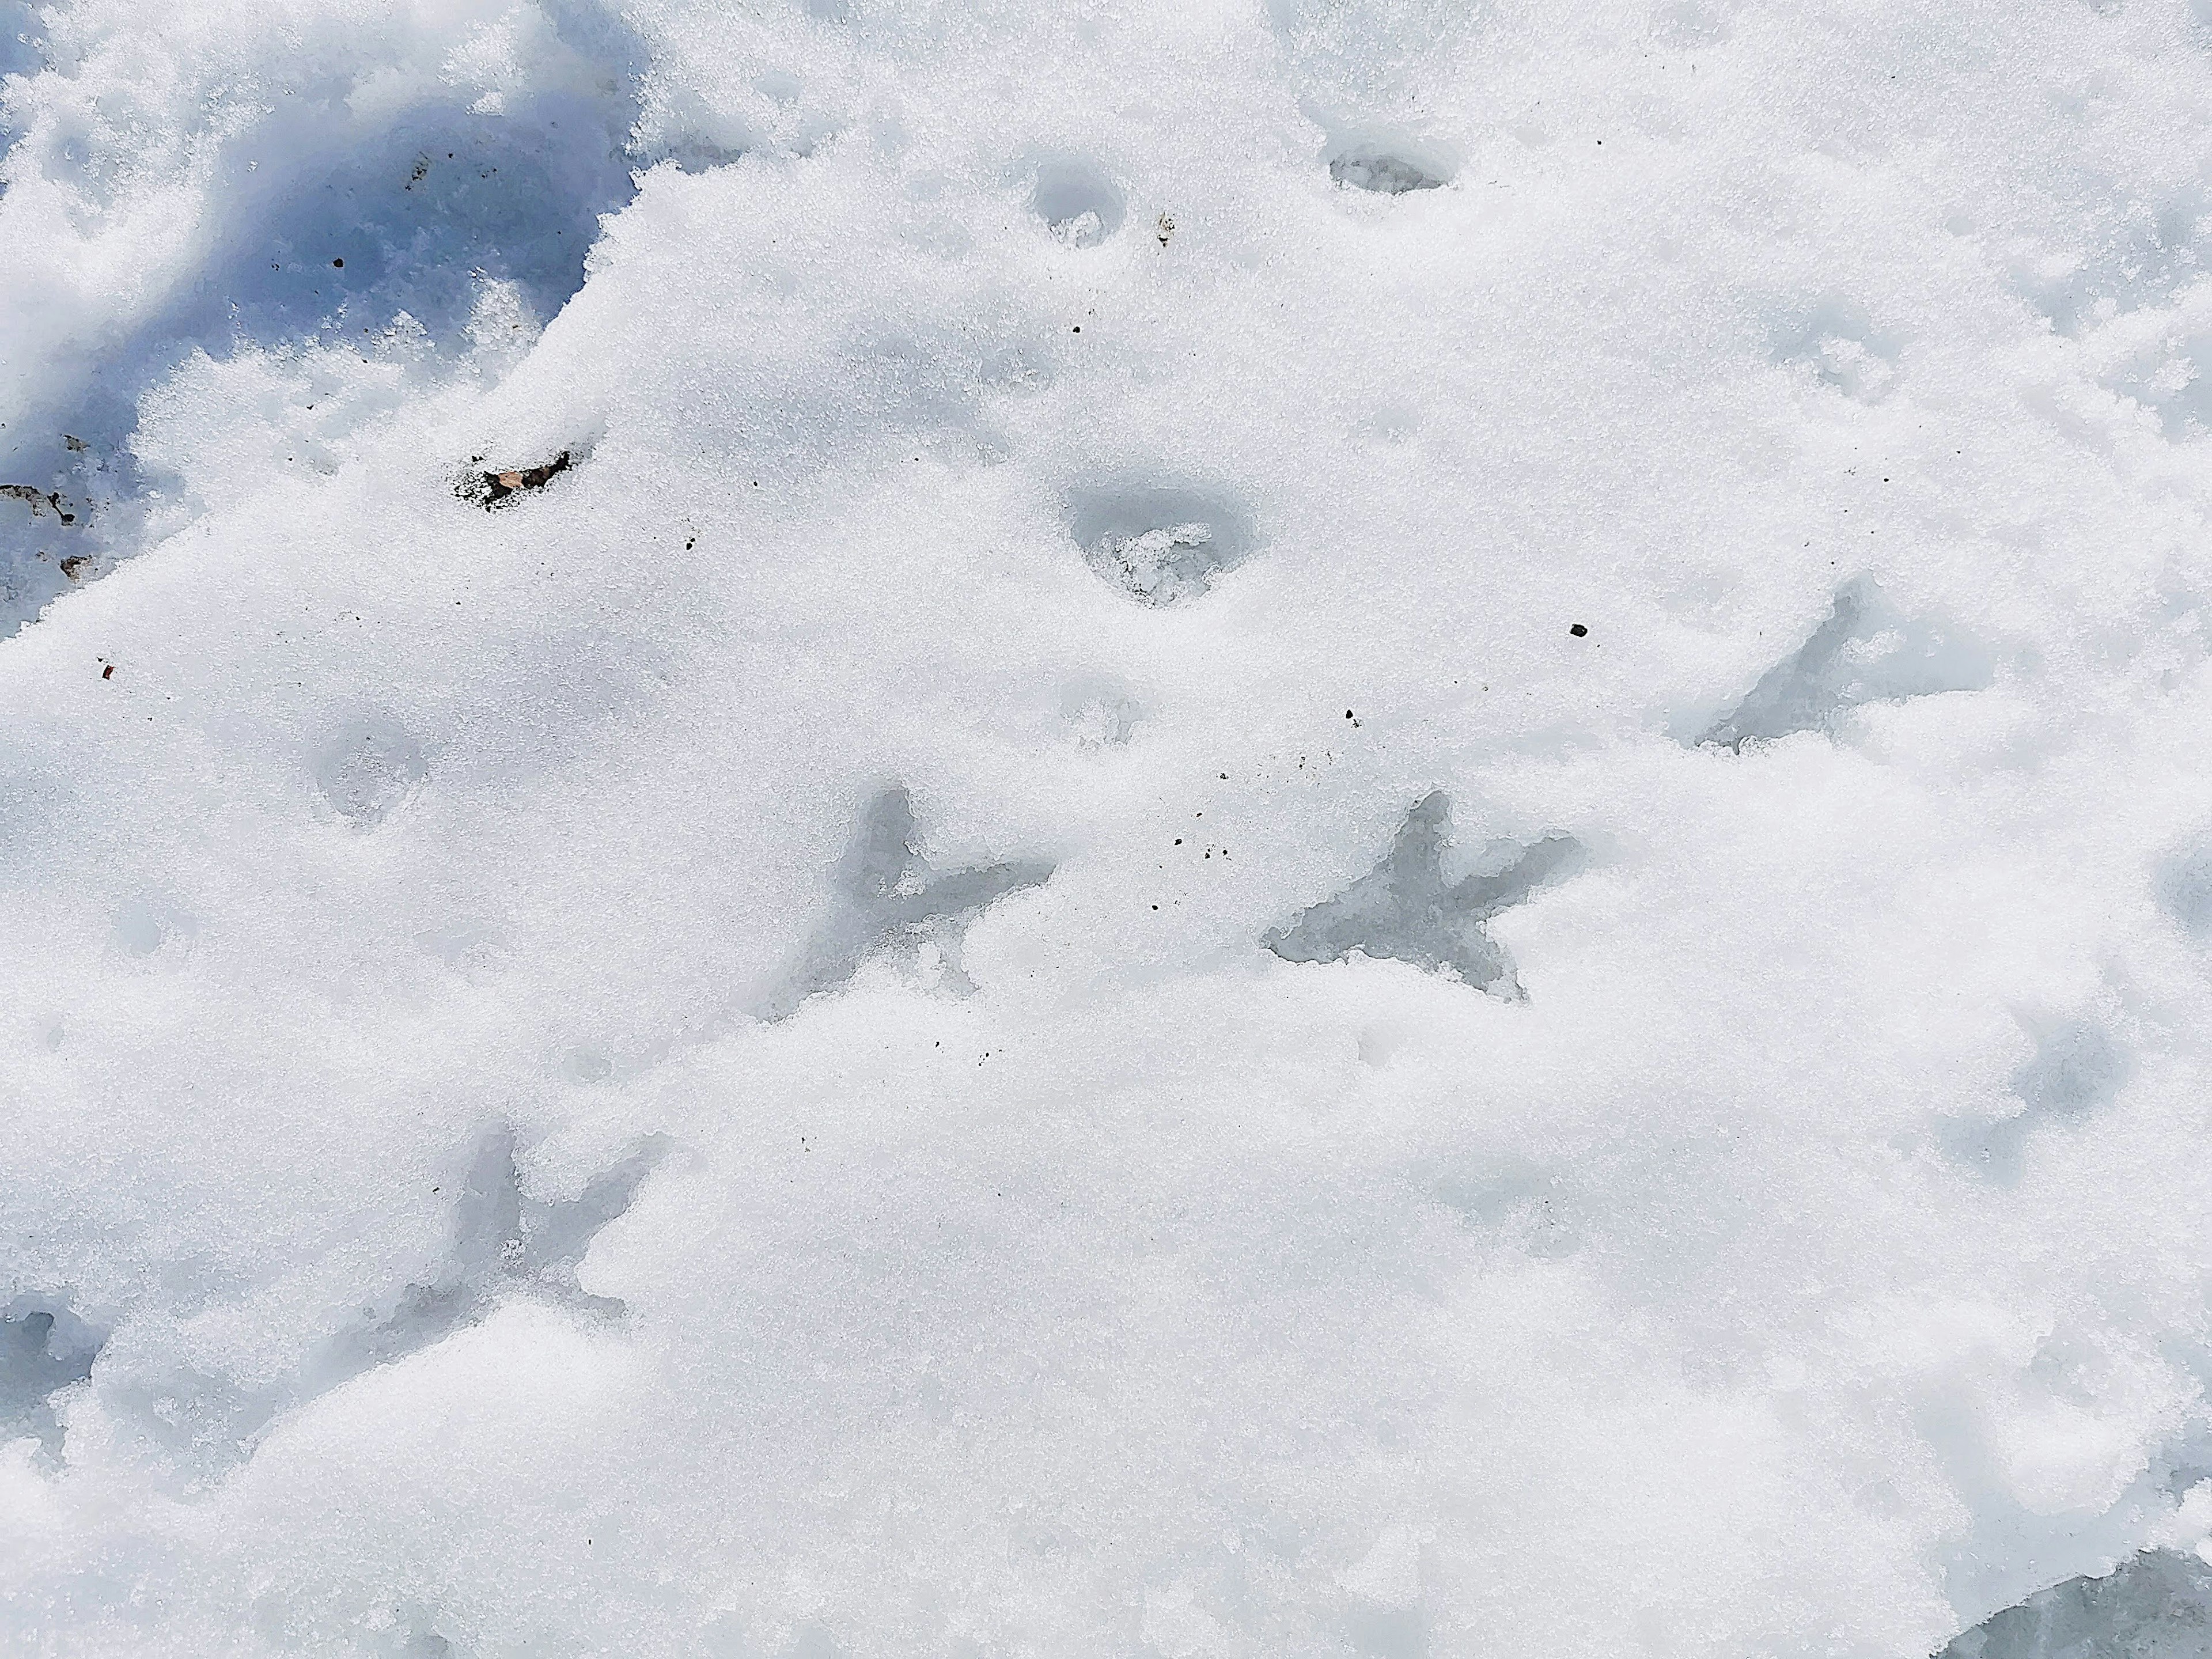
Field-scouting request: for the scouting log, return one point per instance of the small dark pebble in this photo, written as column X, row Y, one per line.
column 108, row 673
column 1578, row 631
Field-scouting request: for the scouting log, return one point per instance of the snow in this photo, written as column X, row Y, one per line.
column 1367, row 827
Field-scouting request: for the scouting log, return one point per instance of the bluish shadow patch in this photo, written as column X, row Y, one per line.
column 2182, row 885
column 1838, row 344
column 2158, row 1606
column 22, row 53
column 44, row 1348
column 415, row 222
column 2142, row 253
column 412, row 223
column 2078, row 1068
column 2170, row 376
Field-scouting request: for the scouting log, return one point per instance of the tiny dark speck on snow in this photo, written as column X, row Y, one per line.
column 1578, row 631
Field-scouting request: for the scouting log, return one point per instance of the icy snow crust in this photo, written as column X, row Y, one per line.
column 1001, row 981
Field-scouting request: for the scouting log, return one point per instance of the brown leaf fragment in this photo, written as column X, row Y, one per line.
column 494, row 488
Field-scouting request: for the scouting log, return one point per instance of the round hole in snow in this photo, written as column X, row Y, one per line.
column 1078, row 204
column 1162, row 544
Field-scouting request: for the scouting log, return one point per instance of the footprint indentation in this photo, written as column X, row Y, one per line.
column 504, row 1244
column 368, row 769
column 1161, row 545
column 140, row 928
column 1100, row 713
column 1840, row 348
column 886, row 895
column 1865, row 651
column 1406, row 909
column 1078, row 204
column 1370, row 167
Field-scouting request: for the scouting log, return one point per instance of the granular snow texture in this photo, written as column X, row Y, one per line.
column 1238, row 828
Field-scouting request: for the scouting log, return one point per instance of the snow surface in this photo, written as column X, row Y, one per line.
column 1307, row 828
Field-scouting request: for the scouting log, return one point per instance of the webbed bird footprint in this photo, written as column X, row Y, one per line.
column 886, row 897
column 1866, row 651
column 1406, row 909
